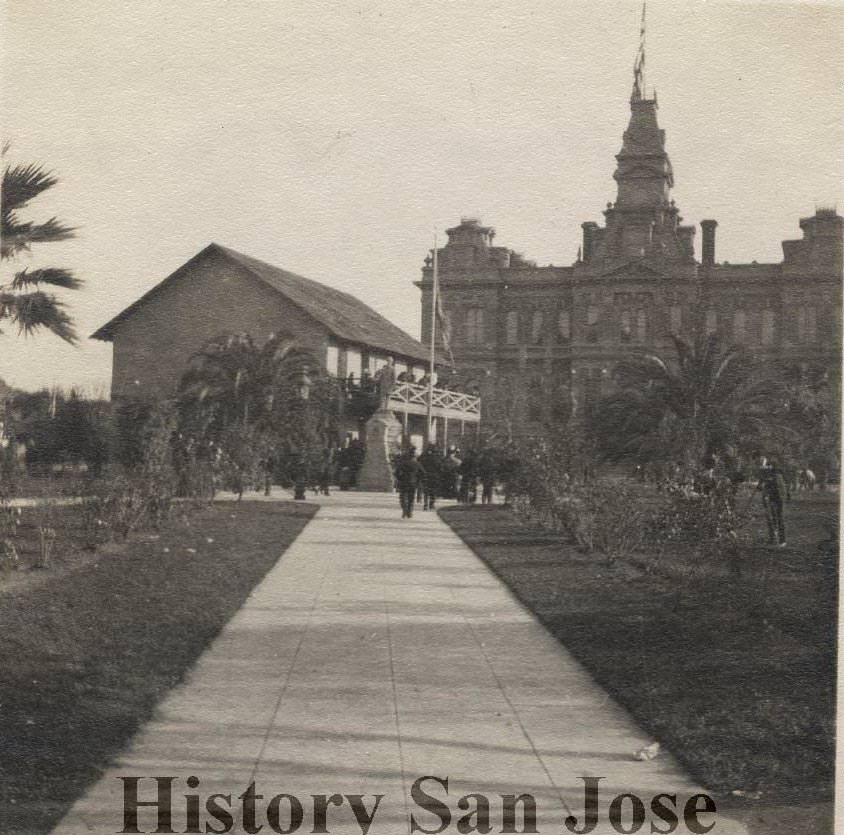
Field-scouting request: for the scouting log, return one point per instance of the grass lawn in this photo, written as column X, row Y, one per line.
column 90, row 647
column 735, row 677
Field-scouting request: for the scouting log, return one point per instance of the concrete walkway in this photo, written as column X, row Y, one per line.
column 377, row 651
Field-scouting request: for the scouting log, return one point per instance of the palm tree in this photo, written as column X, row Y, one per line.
column 232, row 381
column 707, row 400
column 221, row 383
column 24, row 302
column 258, row 404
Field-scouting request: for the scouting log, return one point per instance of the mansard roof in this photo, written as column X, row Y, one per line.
column 344, row 316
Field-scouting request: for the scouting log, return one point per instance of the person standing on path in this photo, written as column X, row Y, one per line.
column 409, row 473
column 430, row 461
column 774, row 493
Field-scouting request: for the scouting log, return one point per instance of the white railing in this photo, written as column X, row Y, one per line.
column 417, row 395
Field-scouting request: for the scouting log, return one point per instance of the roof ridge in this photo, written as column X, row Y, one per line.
column 342, row 314
column 238, row 254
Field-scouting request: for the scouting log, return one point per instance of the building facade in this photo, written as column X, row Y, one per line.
column 541, row 342
column 221, row 291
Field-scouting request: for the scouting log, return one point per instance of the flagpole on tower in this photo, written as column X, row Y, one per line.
column 639, row 91
column 642, row 49
column 434, row 302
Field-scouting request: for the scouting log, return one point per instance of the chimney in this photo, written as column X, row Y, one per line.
column 588, row 239
column 707, row 255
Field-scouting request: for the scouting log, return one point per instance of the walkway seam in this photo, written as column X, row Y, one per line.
column 510, row 704
column 293, row 660
column 396, row 710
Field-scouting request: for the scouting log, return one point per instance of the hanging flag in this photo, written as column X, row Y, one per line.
column 445, row 329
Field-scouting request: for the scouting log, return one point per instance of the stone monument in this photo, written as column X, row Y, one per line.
column 383, row 440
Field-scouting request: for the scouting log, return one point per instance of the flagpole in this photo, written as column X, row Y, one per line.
column 432, row 436
column 644, row 88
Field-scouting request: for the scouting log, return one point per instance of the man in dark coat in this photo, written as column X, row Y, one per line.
column 409, row 473
column 430, row 461
column 774, row 493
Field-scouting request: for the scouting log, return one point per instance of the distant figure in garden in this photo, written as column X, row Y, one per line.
column 449, row 473
column 408, row 474
column 807, row 479
column 775, row 493
column 468, row 478
column 488, row 476
column 326, row 472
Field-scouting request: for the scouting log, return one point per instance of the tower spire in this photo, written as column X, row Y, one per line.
column 639, row 64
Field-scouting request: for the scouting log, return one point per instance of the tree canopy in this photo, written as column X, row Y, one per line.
column 28, row 301
column 706, row 399
column 267, row 402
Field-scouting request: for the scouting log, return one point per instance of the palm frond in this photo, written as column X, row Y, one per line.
column 19, row 237
column 21, row 183
column 55, row 276
column 33, row 311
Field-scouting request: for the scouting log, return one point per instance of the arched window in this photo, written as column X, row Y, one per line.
column 512, row 327
column 807, row 324
column 767, row 327
column 641, row 326
column 675, row 315
column 536, row 327
column 563, row 326
column 592, row 315
column 739, row 326
column 475, row 326
column 535, row 399
column 711, row 322
column 626, row 331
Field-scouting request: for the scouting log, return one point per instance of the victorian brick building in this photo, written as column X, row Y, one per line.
column 541, row 342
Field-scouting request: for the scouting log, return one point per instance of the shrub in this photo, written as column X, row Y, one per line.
column 10, row 519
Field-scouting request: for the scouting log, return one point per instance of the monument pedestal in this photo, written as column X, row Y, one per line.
column 383, row 440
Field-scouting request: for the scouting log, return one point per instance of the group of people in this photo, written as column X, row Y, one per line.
column 436, row 474
column 386, row 377
column 338, row 465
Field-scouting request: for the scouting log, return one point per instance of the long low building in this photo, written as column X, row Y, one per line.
column 221, row 291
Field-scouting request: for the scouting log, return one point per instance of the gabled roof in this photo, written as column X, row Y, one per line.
column 344, row 316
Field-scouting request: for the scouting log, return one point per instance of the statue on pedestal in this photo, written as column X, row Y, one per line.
column 383, row 441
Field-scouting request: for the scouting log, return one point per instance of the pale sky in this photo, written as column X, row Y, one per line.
column 332, row 138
